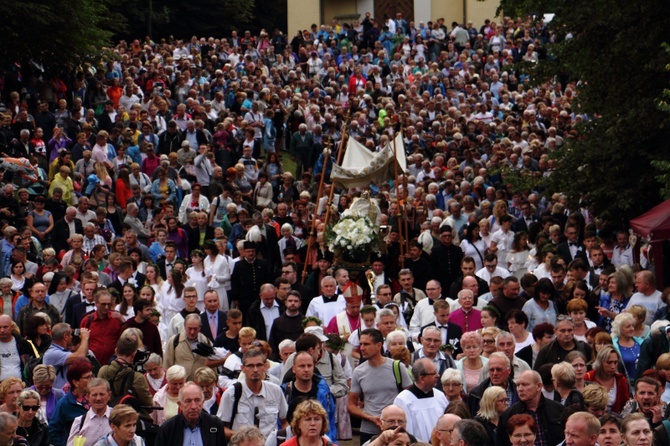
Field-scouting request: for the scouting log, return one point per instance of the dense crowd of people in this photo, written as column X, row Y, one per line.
column 168, row 280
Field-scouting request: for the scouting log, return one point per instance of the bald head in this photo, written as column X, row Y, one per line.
column 392, row 417
column 443, row 428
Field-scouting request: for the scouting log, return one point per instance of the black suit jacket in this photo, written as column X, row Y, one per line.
column 139, row 279
column 61, row 233
column 247, row 279
column 255, row 319
column 453, row 332
column 220, row 326
column 211, row 430
column 162, row 270
column 71, row 302
column 520, row 224
column 78, row 313
column 564, row 251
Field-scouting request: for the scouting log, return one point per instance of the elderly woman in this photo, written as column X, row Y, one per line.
column 522, row 430
column 207, row 379
column 614, row 301
column 452, row 385
column 605, row 373
column 168, row 396
column 43, row 379
column 493, row 403
column 489, row 341
column 626, row 343
column 30, row 427
column 123, row 421
column 637, row 431
column 564, row 378
column 10, row 389
column 154, row 373
column 472, row 366
column 309, row 425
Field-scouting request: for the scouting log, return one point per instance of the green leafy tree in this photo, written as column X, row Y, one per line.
column 56, row 34
column 616, row 55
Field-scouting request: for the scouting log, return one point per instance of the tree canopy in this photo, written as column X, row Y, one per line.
column 614, row 49
column 55, row 34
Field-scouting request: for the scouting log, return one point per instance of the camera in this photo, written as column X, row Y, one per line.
column 141, row 358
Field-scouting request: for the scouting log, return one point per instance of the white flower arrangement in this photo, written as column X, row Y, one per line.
column 352, row 233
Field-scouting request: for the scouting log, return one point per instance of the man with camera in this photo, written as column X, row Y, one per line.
column 128, row 386
column 59, row 354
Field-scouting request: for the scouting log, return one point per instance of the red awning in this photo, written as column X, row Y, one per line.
column 655, row 223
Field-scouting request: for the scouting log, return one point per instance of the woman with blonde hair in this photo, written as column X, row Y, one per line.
column 626, row 343
column 595, row 399
column 472, row 366
column 605, row 373
column 10, row 389
column 640, row 312
column 564, row 378
column 44, row 377
column 489, row 341
column 499, row 209
column 30, row 427
column 493, row 403
column 308, row 413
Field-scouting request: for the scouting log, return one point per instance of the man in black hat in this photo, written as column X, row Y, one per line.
column 248, row 276
column 324, row 261
column 446, row 258
column 381, row 277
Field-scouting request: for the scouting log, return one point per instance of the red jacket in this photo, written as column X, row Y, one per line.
column 622, row 392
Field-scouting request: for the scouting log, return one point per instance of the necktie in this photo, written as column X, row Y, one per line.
column 212, row 325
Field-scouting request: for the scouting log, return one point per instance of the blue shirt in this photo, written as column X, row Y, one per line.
column 56, row 356
column 192, row 436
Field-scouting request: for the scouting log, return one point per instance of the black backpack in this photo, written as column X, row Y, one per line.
column 128, row 396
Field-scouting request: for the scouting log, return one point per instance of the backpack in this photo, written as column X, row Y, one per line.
column 33, row 361
column 128, row 397
column 237, row 394
column 398, row 375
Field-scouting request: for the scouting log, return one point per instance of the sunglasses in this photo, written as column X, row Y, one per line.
column 33, row 408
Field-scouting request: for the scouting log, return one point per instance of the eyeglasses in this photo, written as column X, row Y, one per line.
column 488, row 341
column 33, row 408
column 398, row 422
